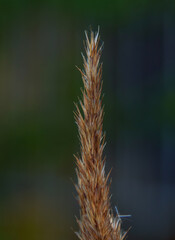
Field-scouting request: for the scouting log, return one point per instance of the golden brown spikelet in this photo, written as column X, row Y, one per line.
column 97, row 221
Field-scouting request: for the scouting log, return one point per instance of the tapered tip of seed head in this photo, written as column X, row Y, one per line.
column 92, row 41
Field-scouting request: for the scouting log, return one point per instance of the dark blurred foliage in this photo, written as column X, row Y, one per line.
column 40, row 44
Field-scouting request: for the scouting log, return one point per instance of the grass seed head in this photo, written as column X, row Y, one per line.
column 97, row 221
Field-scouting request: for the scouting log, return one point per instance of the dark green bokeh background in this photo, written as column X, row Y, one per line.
column 40, row 44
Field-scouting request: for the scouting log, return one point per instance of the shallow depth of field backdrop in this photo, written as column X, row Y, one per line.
column 40, row 44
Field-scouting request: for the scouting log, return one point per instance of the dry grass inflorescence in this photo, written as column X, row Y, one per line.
column 97, row 220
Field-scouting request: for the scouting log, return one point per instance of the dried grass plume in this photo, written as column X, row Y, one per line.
column 97, row 221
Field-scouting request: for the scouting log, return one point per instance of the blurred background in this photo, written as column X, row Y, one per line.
column 40, row 44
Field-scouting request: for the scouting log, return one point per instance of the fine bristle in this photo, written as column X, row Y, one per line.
column 97, row 221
